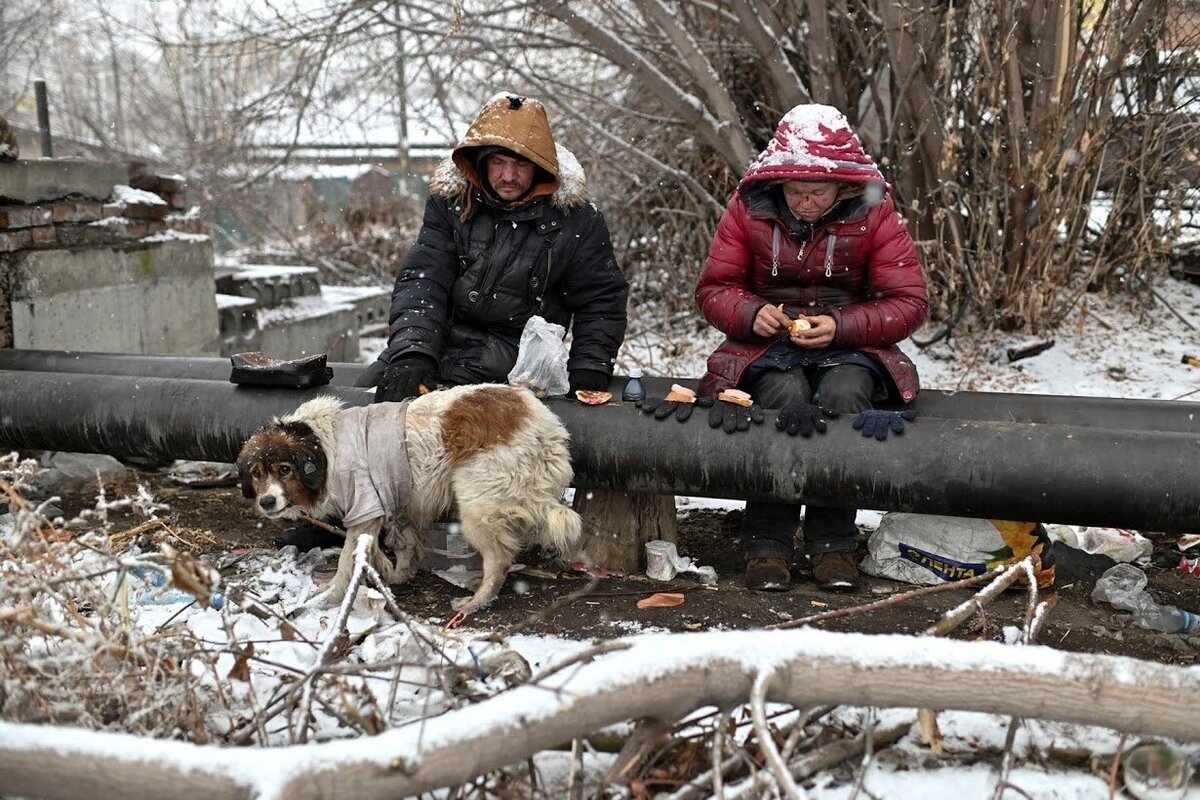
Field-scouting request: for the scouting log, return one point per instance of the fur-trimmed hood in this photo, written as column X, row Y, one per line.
column 448, row 181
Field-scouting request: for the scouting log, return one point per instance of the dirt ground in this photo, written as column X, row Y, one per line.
column 219, row 519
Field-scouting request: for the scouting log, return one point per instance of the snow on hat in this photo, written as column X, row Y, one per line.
column 814, row 143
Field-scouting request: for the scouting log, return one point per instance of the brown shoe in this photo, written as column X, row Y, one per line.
column 768, row 575
column 835, row 572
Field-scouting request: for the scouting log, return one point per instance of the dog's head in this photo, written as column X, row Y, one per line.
column 282, row 468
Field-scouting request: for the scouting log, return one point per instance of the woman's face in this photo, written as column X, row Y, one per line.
column 809, row 200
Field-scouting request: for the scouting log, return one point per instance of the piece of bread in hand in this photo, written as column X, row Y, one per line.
column 681, row 394
column 736, row 396
column 800, row 324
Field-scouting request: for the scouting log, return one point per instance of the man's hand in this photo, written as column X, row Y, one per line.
column 404, row 377
column 371, row 375
column 661, row 408
column 803, row 418
column 730, row 417
column 877, row 423
column 588, row 379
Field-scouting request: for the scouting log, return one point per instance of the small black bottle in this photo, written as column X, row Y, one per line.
column 634, row 390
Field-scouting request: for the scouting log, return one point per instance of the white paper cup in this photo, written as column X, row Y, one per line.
column 660, row 560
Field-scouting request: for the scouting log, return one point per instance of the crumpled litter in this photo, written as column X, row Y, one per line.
column 1119, row 544
column 663, row 563
column 661, row 600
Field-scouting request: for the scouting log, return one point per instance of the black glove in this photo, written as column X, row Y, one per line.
column 876, row 423
column 403, row 377
column 371, row 375
column 731, row 417
column 589, row 379
column 803, row 418
column 661, row 408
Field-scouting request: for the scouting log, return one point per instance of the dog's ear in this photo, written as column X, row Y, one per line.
column 312, row 466
column 244, row 480
column 243, row 468
column 310, row 456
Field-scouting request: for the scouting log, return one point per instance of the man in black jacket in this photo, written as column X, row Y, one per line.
column 508, row 234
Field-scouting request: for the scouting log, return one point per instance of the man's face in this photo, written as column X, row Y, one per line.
column 809, row 200
column 509, row 177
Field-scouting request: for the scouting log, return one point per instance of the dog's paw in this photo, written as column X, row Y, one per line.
column 330, row 598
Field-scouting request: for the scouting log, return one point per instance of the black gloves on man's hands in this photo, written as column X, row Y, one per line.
column 371, row 375
column 403, row 378
column 730, row 417
column 803, row 418
column 588, row 379
column 661, row 408
column 877, row 423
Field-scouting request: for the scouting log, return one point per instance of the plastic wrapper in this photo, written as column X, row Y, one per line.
column 927, row 549
column 541, row 359
column 663, row 563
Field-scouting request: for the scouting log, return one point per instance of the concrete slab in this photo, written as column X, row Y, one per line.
column 372, row 304
column 306, row 326
column 44, row 179
column 153, row 298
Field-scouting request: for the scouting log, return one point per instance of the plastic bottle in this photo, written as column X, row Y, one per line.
column 634, row 390
column 1124, row 586
column 1168, row 619
column 155, row 592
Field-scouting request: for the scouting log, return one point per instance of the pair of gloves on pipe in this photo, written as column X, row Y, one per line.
column 796, row 417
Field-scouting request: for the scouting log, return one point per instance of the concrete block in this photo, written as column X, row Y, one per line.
column 309, row 326
column 148, row 298
column 372, row 304
column 46, row 179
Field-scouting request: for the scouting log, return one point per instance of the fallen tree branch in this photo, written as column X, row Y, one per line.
column 709, row 669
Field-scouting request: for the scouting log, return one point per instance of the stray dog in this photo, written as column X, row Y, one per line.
column 389, row 470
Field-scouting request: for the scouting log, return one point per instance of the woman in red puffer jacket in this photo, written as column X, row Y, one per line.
column 811, row 234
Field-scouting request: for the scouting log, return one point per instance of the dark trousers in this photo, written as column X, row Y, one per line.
column 769, row 529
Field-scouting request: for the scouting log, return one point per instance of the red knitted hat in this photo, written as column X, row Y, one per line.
column 814, row 143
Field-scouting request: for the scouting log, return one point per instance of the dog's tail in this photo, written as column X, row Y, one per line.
column 561, row 528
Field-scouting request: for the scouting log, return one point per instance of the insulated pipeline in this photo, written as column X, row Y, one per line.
column 976, row 468
column 1103, row 412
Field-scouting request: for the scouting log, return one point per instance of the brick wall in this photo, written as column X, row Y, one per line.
column 157, row 204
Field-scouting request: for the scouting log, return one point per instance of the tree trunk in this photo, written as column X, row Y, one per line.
column 617, row 525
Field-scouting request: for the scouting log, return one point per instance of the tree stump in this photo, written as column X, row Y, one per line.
column 617, row 525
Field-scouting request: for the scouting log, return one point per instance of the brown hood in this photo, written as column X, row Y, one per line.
column 515, row 123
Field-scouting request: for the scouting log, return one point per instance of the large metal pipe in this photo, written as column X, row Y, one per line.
column 203, row 368
column 1102, row 412
column 1005, row 470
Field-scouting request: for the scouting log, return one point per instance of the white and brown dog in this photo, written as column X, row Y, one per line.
column 389, row 470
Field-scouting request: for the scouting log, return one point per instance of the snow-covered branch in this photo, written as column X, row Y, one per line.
column 712, row 669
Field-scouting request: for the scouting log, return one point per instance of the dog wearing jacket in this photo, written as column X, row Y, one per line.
column 494, row 453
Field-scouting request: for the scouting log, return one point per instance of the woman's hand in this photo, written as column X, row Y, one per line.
column 819, row 335
column 771, row 321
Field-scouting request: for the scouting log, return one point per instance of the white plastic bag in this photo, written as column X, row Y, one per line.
column 541, row 359
column 928, row 549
